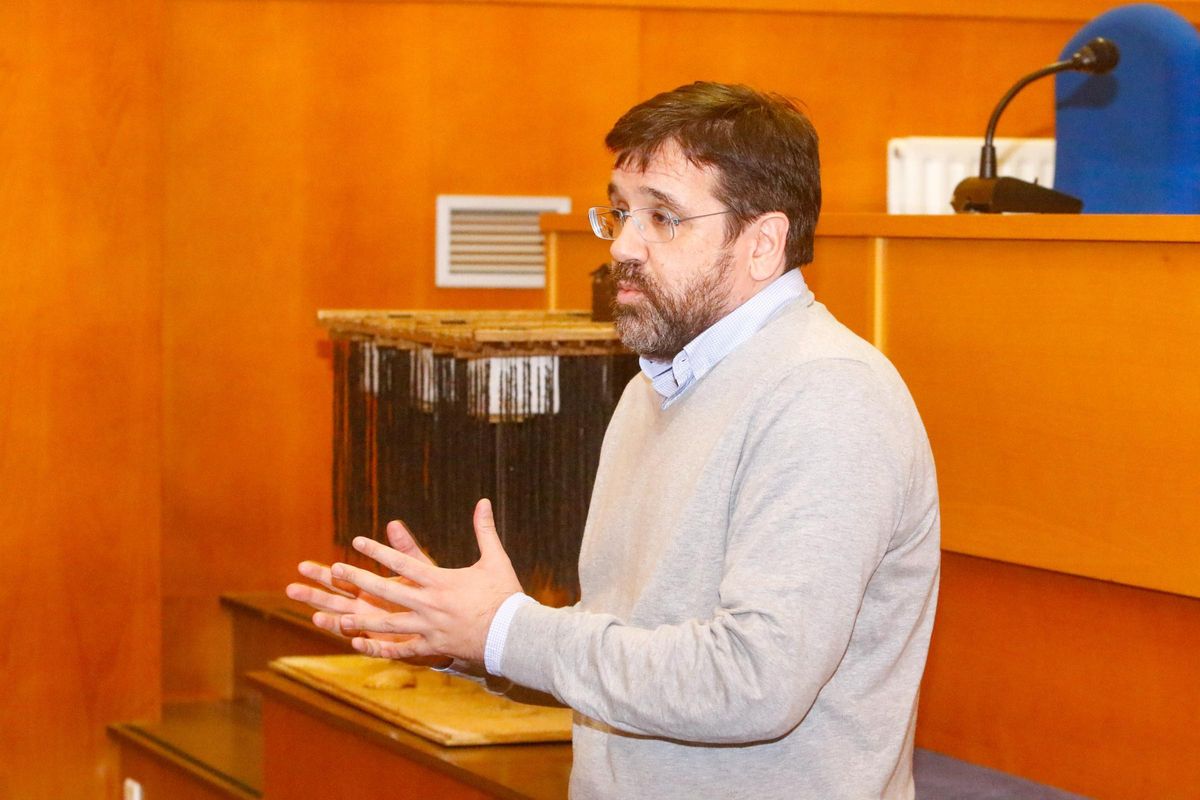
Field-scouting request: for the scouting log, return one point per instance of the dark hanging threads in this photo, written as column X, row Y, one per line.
column 426, row 425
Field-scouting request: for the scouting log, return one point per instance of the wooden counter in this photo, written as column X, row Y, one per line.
column 315, row 746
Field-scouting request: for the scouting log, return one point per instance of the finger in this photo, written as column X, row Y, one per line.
column 319, row 573
column 332, row 622
column 404, row 622
column 416, row 647
column 419, row 572
column 391, row 590
column 319, row 598
column 402, row 539
column 490, row 546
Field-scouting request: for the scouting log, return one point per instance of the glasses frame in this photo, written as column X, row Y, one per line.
column 673, row 220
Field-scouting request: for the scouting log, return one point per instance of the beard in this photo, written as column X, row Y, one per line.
column 659, row 323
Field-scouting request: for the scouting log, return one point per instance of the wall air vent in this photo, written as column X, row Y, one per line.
column 493, row 241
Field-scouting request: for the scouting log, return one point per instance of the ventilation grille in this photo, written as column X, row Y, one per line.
column 493, row 241
column 923, row 170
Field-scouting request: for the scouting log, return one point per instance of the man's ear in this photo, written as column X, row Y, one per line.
column 768, row 256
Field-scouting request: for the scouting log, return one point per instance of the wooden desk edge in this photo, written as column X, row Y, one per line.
column 340, row 715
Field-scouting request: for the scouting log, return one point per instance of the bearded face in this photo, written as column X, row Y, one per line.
column 660, row 319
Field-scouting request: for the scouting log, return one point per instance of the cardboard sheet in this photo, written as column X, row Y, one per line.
column 443, row 708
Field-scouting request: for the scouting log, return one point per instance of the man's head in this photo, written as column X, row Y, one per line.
column 737, row 173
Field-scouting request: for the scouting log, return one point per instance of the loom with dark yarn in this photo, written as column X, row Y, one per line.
column 434, row 410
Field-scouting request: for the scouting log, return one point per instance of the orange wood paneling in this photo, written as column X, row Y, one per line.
column 80, row 264
column 162, row 778
column 298, row 752
column 842, row 277
column 576, row 254
column 1081, row 684
column 305, row 144
column 1074, row 10
column 304, row 731
column 1060, row 387
column 1011, row 227
column 864, row 80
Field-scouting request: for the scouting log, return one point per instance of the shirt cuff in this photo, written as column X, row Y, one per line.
column 498, row 631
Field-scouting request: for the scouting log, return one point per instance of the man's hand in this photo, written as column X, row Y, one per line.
column 450, row 609
column 339, row 597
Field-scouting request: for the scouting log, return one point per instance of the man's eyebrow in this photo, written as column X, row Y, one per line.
column 662, row 197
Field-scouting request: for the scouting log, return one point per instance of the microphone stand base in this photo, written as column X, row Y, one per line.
column 1011, row 195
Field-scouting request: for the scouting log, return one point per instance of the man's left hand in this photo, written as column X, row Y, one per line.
column 450, row 610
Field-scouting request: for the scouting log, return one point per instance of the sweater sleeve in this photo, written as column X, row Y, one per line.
column 813, row 503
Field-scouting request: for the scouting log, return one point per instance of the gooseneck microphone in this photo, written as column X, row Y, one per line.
column 990, row 194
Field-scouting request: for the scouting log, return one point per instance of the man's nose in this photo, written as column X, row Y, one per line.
column 629, row 244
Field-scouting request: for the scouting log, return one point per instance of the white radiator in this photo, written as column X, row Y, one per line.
column 923, row 170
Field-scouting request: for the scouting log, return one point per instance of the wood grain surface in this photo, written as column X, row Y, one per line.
column 305, row 731
column 1081, row 684
column 80, row 273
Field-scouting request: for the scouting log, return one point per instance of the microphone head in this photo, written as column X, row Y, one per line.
column 1097, row 56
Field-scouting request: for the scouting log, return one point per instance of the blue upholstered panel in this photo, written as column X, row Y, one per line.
column 1129, row 141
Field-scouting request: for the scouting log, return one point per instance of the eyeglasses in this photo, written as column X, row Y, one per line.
column 655, row 225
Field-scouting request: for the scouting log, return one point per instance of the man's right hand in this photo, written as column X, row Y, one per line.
column 333, row 597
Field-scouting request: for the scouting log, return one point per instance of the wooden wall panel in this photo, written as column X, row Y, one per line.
column 1073, row 10
column 305, row 145
column 80, row 242
column 842, row 276
column 864, row 80
column 1078, row 683
column 1060, row 389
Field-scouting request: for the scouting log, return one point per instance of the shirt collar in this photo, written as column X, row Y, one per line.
column 699, row 356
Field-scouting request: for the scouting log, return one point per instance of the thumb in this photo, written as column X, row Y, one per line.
column 490, row 546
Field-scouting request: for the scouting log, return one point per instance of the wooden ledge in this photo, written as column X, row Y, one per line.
column 216, row 744
column 518, row 772
column 1016, row 227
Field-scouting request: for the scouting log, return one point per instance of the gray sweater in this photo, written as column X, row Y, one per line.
column 759, row 573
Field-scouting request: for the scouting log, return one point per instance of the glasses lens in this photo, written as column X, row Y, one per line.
column 606, row 222
column 656, row 224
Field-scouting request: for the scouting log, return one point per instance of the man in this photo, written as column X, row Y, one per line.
column 759, row 566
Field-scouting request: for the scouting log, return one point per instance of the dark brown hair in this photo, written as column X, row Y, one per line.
column 761, row 146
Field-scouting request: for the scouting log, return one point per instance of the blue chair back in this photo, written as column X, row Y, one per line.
column 1129, row 142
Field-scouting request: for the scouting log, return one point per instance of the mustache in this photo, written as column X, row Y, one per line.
column 629, row 273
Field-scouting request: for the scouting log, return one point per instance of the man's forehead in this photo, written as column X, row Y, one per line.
column 667, row 175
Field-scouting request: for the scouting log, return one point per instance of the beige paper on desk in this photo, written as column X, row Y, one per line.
column 443, row 708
